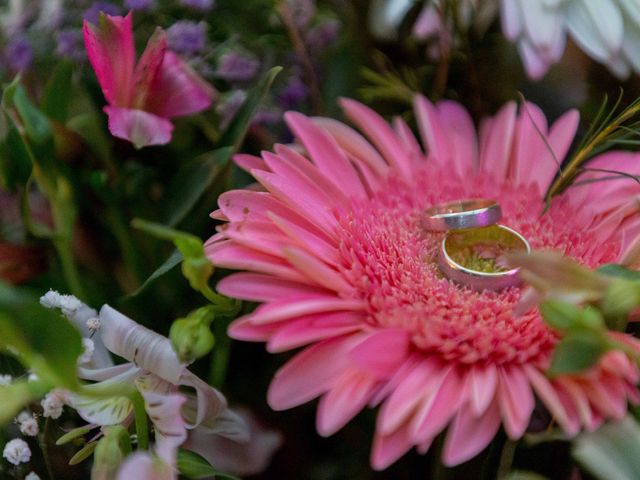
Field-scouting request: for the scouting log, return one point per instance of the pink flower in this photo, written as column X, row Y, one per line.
column 336, row 254
column 142, row 97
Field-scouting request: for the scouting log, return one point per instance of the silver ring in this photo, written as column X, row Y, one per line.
column 459, row 214
column 471, row 257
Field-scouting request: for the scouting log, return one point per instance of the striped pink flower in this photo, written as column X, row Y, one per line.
column 333, row 249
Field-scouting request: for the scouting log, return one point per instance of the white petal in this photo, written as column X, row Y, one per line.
column 135, row 343
column 385, row 16
column 512, row 17
column 596, row 26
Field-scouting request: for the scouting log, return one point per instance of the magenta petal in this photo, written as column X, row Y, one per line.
column 178, row 90
column 140, row 128
column 112, row 55
column 149, row 67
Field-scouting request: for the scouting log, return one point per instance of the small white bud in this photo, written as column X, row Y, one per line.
column 17, row 451
column 52, row 404
column 67, row 303
column 88, row 348
column 5, row 379
column 32, row 476
column 33, row 377
column 93, row 324
column 23, row 416
column 29, row 427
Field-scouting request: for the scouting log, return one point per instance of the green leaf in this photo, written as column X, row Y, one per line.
column 190, row 183
column 75, row 433
column 41, row 339
column 84, row 453
column 174, row 259
column 237, row 129
column 15, row 159
column 57, row 92
column 578, row 351
column 192, row 465
column 619, row 271
column 15, row 396
column 560, row 315
column 612, row 452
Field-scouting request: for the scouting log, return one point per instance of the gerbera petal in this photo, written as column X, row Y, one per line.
column 348, row 396
column 249, row 162
column 354, row 144
column 463, row 139
column 310, row 373
column 283, row 310
column 495, row 150
column 316, row 270
column 230, row 255
column 388, row 448
column 515, row 399
column 313, row 328
column 469, row 434
column 141, row 128
column 382, row 352
column 380, row 133
column 483, row 381
column 258, row 287
column 326, row 154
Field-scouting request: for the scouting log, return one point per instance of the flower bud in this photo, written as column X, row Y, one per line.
column 110, row 452
column 191, row 336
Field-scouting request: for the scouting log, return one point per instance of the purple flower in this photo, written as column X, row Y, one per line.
column 19, row 54
column 187, row 38
column 235, row 67
column 202, row 5
column 92, row 14
column 323, row 35
column 139, row 4
column 302, row 11
column 294, row 93
column 70, row 44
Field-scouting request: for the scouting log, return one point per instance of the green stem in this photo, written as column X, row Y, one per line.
column 142, row 427
column 126, row 243
column 44, row 447
column 220, row 355
column 570, row 170
column 69, row 267
column 506, row 459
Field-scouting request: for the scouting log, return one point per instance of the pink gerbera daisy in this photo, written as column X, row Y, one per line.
column 337, row 255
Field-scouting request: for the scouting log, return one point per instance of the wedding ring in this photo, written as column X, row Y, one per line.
column 471, row 257
column 459, row 214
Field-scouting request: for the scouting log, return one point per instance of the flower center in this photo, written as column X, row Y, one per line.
column 392, row 261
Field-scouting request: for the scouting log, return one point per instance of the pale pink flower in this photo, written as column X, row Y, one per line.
column 142, row 97
column 336, row 254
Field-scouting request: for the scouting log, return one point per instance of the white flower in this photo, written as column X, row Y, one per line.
column 23, row 416
column 5, row 379
column 88, row 347
column 29, row 427
column 32, row 476
column 52, row 404
column 67, row 303
column 17, row 451
column 607, row 31
column 32, row 377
